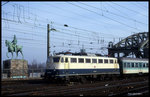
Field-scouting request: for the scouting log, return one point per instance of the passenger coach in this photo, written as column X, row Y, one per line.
column 69, row 65
column 130, row 66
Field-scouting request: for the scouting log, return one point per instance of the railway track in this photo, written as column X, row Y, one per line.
column 107, row 88
column 101, row 90
column 134, row 92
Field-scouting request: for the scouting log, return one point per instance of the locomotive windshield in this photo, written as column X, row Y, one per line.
column 56, row 59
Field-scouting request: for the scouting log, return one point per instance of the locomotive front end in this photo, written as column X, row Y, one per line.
column 53, row 67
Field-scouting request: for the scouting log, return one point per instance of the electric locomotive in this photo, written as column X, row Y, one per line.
column 73, row 66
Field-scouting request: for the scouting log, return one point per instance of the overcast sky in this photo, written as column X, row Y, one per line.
column 90, row 25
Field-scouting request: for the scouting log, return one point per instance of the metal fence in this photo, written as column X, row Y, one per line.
column 22, row 73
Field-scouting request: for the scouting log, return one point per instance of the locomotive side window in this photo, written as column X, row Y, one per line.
column 100, row 60
column 73, row 60
column 105, row 60
column 66, row 59
column 56, row 59
column 111, row 61
column 88, row 60
column 81, row 60
column 94, row 60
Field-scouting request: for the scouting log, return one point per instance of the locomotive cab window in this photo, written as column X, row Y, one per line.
column 62, row 60
column 56, row 59
column 115, row 61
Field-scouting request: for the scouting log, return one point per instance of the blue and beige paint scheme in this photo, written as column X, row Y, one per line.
column 70, row 65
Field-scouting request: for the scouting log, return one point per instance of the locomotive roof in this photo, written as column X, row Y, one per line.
column 84, row 56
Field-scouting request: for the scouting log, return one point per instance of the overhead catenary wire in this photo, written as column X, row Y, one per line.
column 52, row 36
column 69, row 34
column 65, row 33
column 58, row 27
column 4, row 3
column 59, row 15
column 93, row 21
column 128, row 18
column 129, row 9
column 43, row 26
column 40, row 40
column 106, row 17
column 25, row 32
column 140, row 7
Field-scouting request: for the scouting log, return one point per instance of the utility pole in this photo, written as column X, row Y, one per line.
column 48, row 38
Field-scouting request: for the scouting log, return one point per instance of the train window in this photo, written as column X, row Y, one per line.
column 66, row 59
column 136, row 65
column 147, row 65
column 140, row 65
column 115, row 61
column 81, row 60
column 132, row 64
column 94, row 60
column 124, row 64
column 88, row 60
column 62, row 60
column 143, row 64
column 100, row 60
column 111, row 61
column 105, row 60
column 73, row 60
column 128, row 64
column 56, row 59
